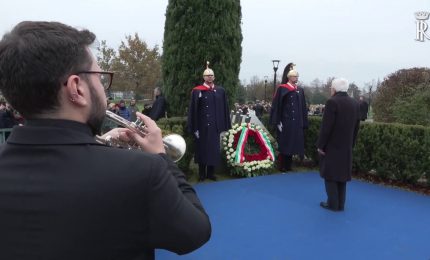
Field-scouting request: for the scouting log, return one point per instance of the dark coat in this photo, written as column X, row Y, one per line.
column 158, row 108
column 289, row 107
column 364, row 109
column 208, row 113
column 259, row 110
column 64, row 196
column 133, row 110
column 7, row 119
column 338, row 132
column 124, row 113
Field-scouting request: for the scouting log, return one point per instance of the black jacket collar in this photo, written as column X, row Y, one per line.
column 51, row 131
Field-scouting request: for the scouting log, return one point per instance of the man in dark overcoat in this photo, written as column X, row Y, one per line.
column 289, row 115
column 337, row 137
column 208, row 116
column 259, row 109
column 158, row 109
column 364, row 109
column 62, row 194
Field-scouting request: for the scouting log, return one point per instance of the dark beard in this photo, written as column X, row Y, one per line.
column 97, row 113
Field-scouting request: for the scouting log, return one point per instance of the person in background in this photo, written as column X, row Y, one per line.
column 337, row 136
column 208, row 116
column 158, row 109
column 8, row 117
column 132, row 108
column 364, row 109
column 62, row 194
column 289, row 115
column 123, row 110
column 259, row 109
column 109, row 124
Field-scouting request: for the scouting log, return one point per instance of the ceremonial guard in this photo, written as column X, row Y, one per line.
column 208, row 116
column 289, row 115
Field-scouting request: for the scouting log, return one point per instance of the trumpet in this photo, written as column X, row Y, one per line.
column 174, row 144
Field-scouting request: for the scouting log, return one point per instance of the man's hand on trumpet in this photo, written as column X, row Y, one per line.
column 151, row 142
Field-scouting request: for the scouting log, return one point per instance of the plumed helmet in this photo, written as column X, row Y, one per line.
column 292, row 72
column 208, row 72
column 289, row 71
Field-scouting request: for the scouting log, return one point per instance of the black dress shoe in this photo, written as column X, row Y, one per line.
column 326, row 206
column 212, row 177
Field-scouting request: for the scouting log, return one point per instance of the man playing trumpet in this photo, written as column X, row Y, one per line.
column 62, row 194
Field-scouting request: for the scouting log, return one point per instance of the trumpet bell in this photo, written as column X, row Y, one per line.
column 175, row 146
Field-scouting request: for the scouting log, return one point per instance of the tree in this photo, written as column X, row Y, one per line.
column 106, row 57
column 390, row 103
column 138, row 66
column 241, row 94
column 195, row 32
column 255, row 89
column 414, row 109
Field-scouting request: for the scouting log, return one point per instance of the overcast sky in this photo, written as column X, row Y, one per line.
column 359, row 40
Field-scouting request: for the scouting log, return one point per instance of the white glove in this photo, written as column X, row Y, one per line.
column 280, row 127
column 196, row 133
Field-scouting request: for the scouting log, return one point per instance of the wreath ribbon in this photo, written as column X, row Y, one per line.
column 262, row 140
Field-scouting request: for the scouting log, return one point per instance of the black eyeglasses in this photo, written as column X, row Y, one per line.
column 106, row 77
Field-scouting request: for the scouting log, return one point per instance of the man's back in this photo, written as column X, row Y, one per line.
column 364, row 110
column 63, row 196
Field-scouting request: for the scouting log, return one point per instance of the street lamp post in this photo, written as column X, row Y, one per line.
column 370, row 97
column 275, row 68
column 265, row 87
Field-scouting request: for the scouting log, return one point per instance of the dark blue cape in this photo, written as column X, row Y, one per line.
column 208, row 113
column 289, row 107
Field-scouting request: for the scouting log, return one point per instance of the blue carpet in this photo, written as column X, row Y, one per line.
column 279, row 217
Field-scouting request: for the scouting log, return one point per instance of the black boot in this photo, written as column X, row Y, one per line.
column 202, row 172
column 211, row 173
column 288, row 162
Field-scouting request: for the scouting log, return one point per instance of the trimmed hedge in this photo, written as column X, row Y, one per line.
column 391, row 151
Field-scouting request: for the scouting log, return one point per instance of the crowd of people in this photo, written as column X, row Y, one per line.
column 9, row 117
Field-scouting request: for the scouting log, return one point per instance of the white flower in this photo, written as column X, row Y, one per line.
column 229, row 145
column 231, row 150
